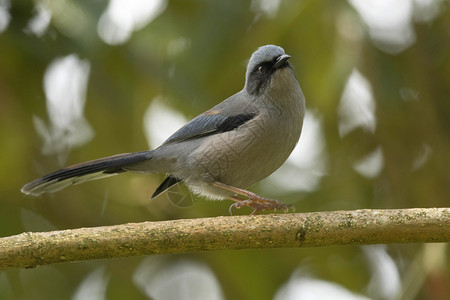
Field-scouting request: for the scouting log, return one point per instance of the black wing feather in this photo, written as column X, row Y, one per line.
column 165, row 185
column 205, row 125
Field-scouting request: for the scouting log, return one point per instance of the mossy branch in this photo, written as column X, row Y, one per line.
column 317, row 229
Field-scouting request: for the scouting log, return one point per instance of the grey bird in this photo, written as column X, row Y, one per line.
column 221, row 152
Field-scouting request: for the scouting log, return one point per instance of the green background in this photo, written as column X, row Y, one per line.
column 327, row 40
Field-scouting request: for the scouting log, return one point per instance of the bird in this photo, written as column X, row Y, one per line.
column 221, row 152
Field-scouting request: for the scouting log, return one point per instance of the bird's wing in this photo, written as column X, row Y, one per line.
column 224, row 117
column 165, row 185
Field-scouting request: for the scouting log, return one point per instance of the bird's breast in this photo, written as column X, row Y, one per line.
column 252, row 151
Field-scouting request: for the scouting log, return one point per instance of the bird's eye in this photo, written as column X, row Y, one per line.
column 262, row 69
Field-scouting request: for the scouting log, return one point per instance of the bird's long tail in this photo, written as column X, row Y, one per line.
column 83, row 172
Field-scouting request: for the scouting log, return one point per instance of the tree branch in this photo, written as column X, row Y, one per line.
column 359, row 227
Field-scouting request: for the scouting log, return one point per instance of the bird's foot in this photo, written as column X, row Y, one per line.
column 254, row 201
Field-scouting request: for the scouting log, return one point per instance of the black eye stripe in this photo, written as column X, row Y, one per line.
column 258, row 80
column 267, row 65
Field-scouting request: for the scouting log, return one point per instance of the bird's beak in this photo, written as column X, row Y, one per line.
column 281, row 60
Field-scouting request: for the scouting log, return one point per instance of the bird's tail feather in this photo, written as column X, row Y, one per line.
column 86, row 171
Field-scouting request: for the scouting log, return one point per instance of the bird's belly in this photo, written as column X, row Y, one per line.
column 242, row 157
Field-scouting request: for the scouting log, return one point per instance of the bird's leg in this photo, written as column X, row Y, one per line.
column 254, row 201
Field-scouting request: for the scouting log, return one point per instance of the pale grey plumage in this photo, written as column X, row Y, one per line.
column 228, row 148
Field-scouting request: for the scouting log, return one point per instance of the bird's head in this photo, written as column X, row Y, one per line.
column 268, row 68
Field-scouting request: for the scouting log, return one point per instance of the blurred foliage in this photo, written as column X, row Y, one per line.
column 411, row 91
